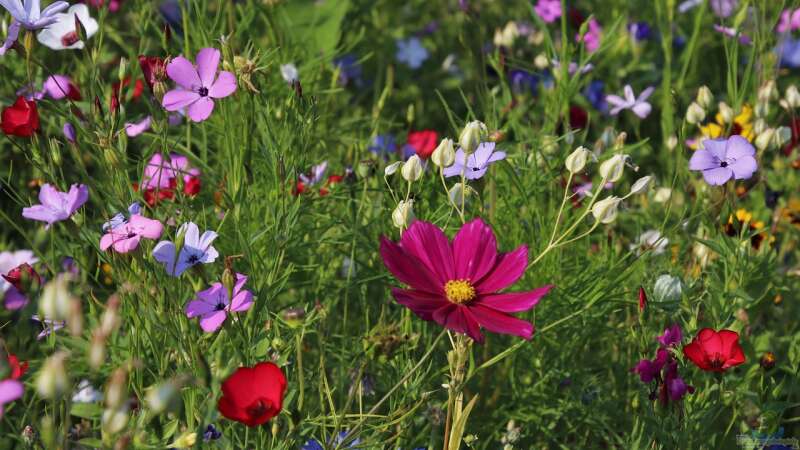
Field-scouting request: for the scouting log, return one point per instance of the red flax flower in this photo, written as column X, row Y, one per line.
column 20, row 119
column 715, row 351
column 456, row 284
column 253, row 395
column 423, row 142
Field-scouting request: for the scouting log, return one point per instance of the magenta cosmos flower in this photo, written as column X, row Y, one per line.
column 455, row 283
column 721, row 159
column 55, row 205
column 198, row 86
column 126, row 236
column 548, row 10
column 213, row 304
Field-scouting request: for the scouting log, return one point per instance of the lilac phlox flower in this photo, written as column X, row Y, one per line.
column 722, row 159
column 790, row 21
column 10, row 390
column 198, row 86
column 30, row 16
column 672, row 336
column 477, row 164
column 548, row 10
column 56, row 206
column 213, row 304
column 196, row 249
column 48, row 326
column 638, row 105
column 723, row 8
column 120, row 219
column 316, row 175
column 411, row 52
column 732, row 32
column 133, row 129
column 592, row 37
column 126, row 237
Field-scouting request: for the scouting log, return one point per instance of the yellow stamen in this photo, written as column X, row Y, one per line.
column 459, row 291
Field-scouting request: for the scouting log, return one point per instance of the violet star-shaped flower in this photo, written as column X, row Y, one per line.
column 477, row 164
column 196, row 249
column 213, row 304
column 723, row 159
column 55, row 205
column 198, row 86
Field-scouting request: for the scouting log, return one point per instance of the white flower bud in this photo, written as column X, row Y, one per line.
column 612, row 168
column 541, row 62
column 458, row 191
column 640, row 185
column 765, row 139
column 783, row 135
column 762, row 109
column 667, row 289
column 759, row 126
column 662, row 195
column 695, row 113
column 472, row 135
column 726, row 112
column 792, row 97
column 403, row 214
column 672, row 142
column 163, row 397
column 115, row 420
column 704, row 97
column 445, row 154
column 412, row 169
column 767, row 92
column 52, row 381
column 605, row 211
column 392, row 168
column 577, row 160
column 55, row 303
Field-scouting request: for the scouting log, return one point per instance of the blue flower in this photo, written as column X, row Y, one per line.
column 196, row 249
column 640, row 31
column 789, row 52
column 411, row 52
column 383, row 145
column 313, row 444
column 120, row 219
column 211, row 434
column 595, row 94
column 349, row 69
column 477, row 164
column 523, row 81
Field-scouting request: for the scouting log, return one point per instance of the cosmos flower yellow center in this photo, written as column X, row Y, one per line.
column 459, row 291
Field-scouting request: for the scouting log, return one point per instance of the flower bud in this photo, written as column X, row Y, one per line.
column 605, row 211
column 163, row 397
column 186, row 440
column 403, row 214
column 640, row 185
column 695, row 113
column 726, row 112
column 704, row 97
column 792, row 97
column 767, row 92
column 762, row 109
column 293, row 317
column 445, row 154
column 662, row 195
column 459, row 191
column 115, row 420
column 541, row 62
column 97, row 350
column 612, row 168
column 765, row 139
column 110, row 319
column 472, row 135
column 412, row 169
column 767, row 361
column 783, row 135
column 576, row 161
column 672, row 142
column 56, row 298
column 117, row 392
column 759, row 126
column 392, row 168
column 52, row 381
column 667, row 289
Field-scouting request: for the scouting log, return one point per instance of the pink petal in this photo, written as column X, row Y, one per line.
column 199, row 308
column 178, row 99
column 224, row 86
column 408, row 268
column 211, row 322
column 420, row 303
column 474, row 250
column 207, row 63
column 430, row 245
column 514, row 301
column 498, row 322
column 506, row 271
column 242, row 301
column 126, row 245
column 717, row 176
column 181, row 71
column 453, row 317
column 149, row 228
column 10, row 390
column 201, row 109
column 106, row 241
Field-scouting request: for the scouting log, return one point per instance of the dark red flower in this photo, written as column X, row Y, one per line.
column 715, row 351
column 192, row 187
column 153, row 68
column 17, row 369
column 22, row 277
column 253, row 395
column 642, row 299
column 795, row 127
column 423, row 142
column 20, row 119
column 578, row 117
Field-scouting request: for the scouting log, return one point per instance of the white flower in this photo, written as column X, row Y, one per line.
column 650, row 240
column 662, row 195
column 695, row 113
column 62, row 35
column 289, row 72
column 86, row 393
column 667, row 289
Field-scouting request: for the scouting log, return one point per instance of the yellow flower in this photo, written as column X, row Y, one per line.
column 742, row 125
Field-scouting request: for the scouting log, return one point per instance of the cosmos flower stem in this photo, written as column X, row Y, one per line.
column 414, row 370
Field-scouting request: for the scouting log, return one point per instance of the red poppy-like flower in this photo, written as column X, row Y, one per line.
column 456, row 284
column 253, row 395
column 715, row 351
column 20, row 119
column 423, row 142
column 153, row 68
column 17, row 369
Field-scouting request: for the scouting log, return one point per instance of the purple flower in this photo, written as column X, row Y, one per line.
column 133, row 129
column 640, row 31
column 29, row 16
column 211, row 433
column 638, row 105
column 10, row 390
column 592, row 37
column 59, row 87
column 48, row 326
column 721, row 159
column 120, row 219
column 548, row 10
column 13, row 298
column 69, row 132
column 790, row 21
column 349, row 69
column 198, row 86
column 477, row 164
column 789, row 53
column 595, row 94
column 523, row 82
column 383, row 145
column 724, row 8
column 196, row 249
column 731, row 32
column 411, row 52
column 649, row 370
column 55, row 205
column 213, row 304
column 317, row 174
column 672, row 336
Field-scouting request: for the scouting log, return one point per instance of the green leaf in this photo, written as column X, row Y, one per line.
column 460, row 424
column 313, row 25
column 86, row 410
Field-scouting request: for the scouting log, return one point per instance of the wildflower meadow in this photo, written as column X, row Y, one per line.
column 405, row 225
